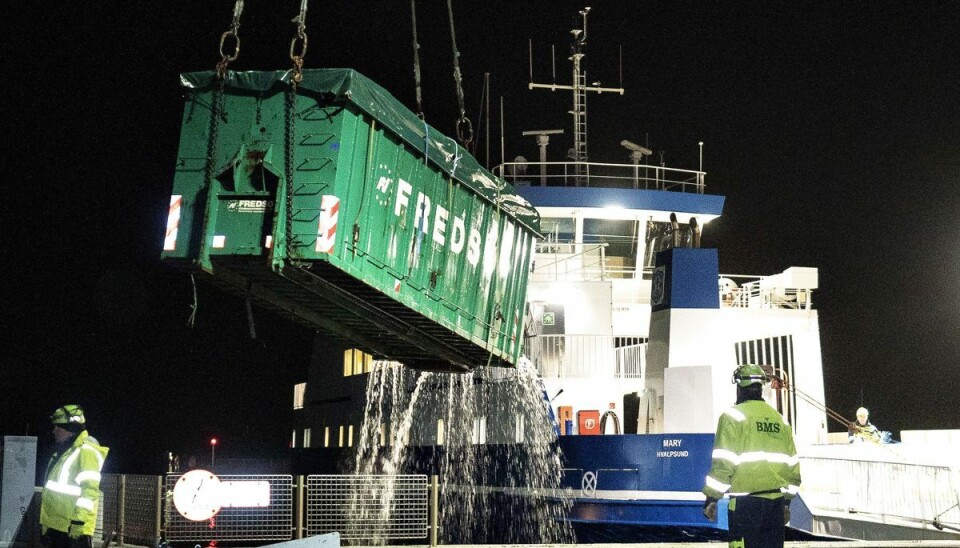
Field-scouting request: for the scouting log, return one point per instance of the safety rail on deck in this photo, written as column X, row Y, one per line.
column 756, row 292
column 921, row 495
column 601, row 175
column 575, row 262
column 580, row 356
column 580, row 262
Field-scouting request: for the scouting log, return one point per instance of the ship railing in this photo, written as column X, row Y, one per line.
column 571, row 261
column 582, row 356
column 602, row 175
column 912, row 494
column 740, row 291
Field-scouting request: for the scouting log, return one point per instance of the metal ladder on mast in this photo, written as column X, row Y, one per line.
column 579, row 119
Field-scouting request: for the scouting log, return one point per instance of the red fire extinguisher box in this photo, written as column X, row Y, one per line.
column 588, row 422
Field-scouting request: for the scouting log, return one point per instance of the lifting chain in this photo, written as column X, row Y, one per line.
column 213, row 135
column 232, row 32
column 296, row 75
column 464, row 127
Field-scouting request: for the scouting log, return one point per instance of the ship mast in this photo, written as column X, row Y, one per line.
column 579, row 88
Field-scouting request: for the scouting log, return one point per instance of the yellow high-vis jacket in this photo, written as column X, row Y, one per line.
column 72, row 490
column 753, row 454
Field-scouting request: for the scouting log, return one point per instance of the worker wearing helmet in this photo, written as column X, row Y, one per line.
column 754, row 463
column 862, row 430
column 71, row 494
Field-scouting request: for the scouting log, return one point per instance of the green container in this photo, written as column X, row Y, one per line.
column 340, row 208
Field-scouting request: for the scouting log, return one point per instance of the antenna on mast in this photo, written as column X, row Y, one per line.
column 580, row 88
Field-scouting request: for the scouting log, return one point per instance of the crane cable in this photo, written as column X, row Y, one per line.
column 416, row 58
column 464, row 127
column 417, row 82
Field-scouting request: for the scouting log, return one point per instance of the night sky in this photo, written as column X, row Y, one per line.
column 833, row 129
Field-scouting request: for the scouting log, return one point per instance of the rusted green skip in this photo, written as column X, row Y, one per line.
column 340, row 208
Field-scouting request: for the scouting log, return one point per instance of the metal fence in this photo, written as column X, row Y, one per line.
column 272, row 522
column 139, row 510
column 130, row 508
column 368, row 507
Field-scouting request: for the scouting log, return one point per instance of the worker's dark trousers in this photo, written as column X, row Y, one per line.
column 756, row 522
column 59, row 539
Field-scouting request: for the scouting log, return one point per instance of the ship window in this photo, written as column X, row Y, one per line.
column 350, row 436
column 621, row 236
column 298, row 392
column 440, row 432
column 520, row 427
column 356, row 362
column 326, row 436
column 340, row 441
column 293, row 439
column 558, row 229
column 383, row 434
column 479, row 434
column 306, row 438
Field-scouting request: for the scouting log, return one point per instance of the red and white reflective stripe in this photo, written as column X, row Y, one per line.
column 173, row 223
column 327, row 229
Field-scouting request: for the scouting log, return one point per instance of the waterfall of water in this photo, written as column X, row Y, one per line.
column 488, row 437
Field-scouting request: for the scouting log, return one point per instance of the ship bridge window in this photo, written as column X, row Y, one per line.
column 557, row 230
column 619, row 239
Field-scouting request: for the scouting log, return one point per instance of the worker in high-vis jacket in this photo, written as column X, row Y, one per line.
column 71, row 494
column 755, row 464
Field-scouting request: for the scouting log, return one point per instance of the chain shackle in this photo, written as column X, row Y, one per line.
column 297, row 57
column 232, row 32
column 228, row 57
column 464, row 130
column 297, row 54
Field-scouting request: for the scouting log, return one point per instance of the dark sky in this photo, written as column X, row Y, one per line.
column 833, row 128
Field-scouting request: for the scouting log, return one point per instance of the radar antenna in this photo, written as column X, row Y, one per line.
column 580, row 88
column 543, row 139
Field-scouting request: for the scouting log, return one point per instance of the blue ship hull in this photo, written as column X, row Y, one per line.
column 645, row 479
